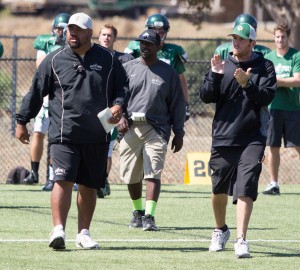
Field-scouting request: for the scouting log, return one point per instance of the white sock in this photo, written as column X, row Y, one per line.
column 274, row 183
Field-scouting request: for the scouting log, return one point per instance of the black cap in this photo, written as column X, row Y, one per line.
column 150, row 36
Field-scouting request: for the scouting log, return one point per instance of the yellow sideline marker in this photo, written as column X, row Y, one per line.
column 197, row 171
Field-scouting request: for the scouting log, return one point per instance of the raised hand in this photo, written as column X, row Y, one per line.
column 217, row 65
column 241, row 76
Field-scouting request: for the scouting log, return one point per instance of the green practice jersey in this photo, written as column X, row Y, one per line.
column 172, row 54
column 224, row 49
column 286, row 98
column 46, row 43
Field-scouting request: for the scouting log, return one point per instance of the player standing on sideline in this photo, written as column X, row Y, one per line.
column 172, row 54
column 45, row 44
column 156, row 105
column 285, row 107
column 81, row 79
column 224, row 49
column 241, row 86
column 107, row 37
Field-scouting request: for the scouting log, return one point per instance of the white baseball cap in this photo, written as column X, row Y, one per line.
column 82, row 20
column 245, row 31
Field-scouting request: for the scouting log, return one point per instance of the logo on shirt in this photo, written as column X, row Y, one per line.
column 283, row 71
column 156, row 82
column 168, row 61
column 132, row 75
column 96, row 67
column 60, row 171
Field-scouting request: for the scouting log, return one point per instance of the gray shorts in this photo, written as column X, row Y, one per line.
column 84, row 164
column 284, row 125
column 111, row 148
column 142, row 154
column 236, row 170
column 42, row 121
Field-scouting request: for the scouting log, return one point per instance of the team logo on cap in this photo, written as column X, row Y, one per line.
column 158, row 24
column 77, row 18
column 145, row 35
column 240, row 28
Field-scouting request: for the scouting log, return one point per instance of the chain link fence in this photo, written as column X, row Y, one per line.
column 16, row 72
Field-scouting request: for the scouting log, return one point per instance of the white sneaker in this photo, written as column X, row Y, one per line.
column 57, row 238
column 83, row 240
column 241, row 248
column 219, row 239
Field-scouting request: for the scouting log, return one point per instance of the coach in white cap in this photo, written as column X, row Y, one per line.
column 81, row 80
column 80, row 32
column 82, row 20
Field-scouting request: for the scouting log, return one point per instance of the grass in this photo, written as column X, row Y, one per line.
column 184, row 217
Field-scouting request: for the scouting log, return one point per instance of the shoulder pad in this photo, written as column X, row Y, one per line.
column 41, row 41
column 177, row 50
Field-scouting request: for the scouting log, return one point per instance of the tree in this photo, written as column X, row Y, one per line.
column 281, row 11
column 285, row 11
column 198, row 10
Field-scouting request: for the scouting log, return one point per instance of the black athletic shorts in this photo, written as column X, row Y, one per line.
column 84, row 164
column 236, row 170
column 284, row 125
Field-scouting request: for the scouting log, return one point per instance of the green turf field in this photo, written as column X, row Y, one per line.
column 183, row 215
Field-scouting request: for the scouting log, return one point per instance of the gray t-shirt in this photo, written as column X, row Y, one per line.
column 156, row 91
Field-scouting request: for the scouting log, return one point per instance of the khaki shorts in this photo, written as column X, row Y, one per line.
column 142, row 154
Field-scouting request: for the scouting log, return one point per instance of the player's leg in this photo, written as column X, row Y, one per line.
column 132, row 174
column 41, row 124
column 154, row 154
column 92, row 167
column 275, row 133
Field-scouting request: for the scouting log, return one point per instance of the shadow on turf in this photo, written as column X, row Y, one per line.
column 25, row 190
column 24, row 207
column 185, row 192
column 207, row 228
column 184, row 249
column 289, row 252
column 75, row 249
column 276, row 254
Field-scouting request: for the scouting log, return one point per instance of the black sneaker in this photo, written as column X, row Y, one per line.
column 49, row 186
column 136, row 220
column 32, row 178
column 149, row 223
column 271, row 190
column 100, row 193
column 106, row 189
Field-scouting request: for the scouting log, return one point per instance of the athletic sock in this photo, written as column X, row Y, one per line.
column 138, row 204
column 224, row 228
column 274, row 183
column 35, row 166
column 150, row 208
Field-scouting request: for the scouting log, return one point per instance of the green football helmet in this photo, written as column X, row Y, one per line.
column 60, row 21
column 157, row 21
column 246, row 18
